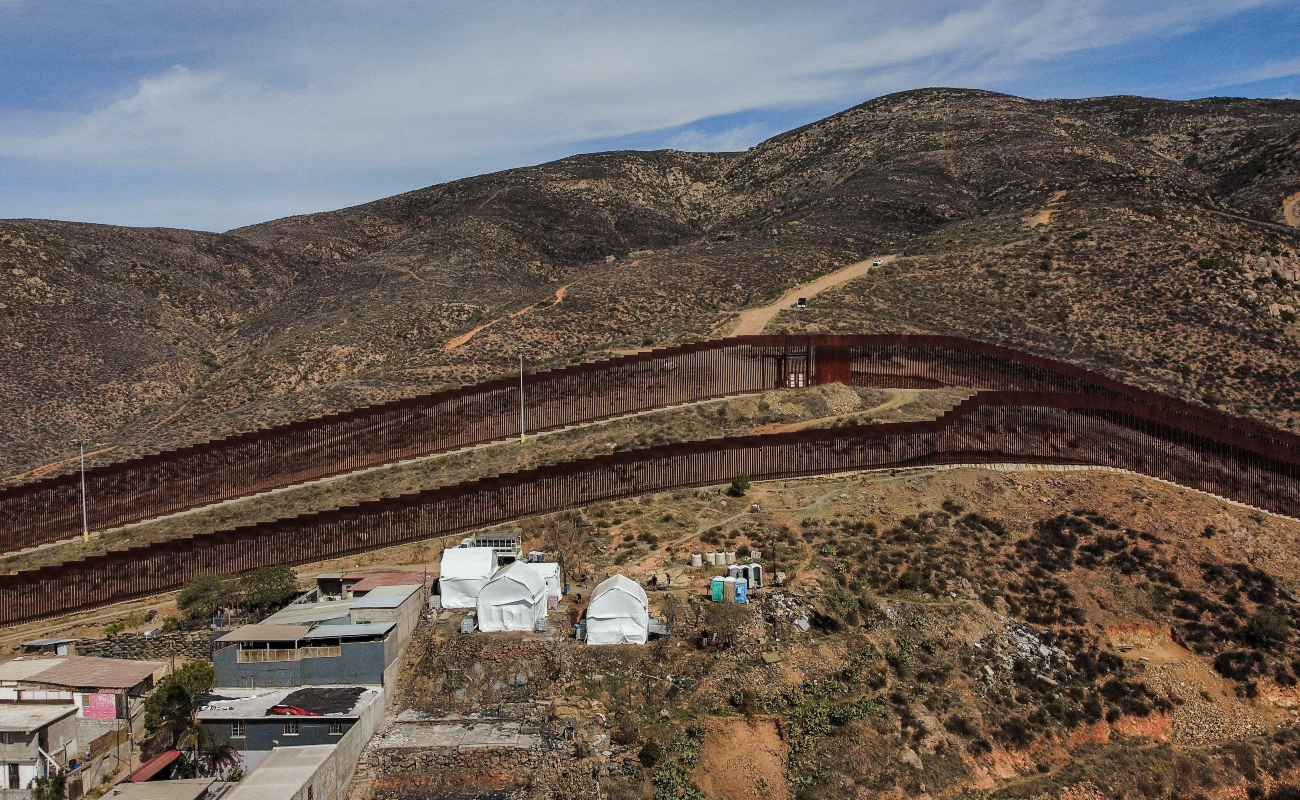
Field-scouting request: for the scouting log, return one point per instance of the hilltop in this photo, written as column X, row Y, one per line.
column 1148, row 239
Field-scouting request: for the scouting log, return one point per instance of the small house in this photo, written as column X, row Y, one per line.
column 26, row 731
column 514, row 600
column 54, row 647
column 619, row 613
column 256, row 721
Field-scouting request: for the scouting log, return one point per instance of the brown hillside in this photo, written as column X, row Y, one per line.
column 1147, row 267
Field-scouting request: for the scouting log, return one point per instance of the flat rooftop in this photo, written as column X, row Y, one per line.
column 20, row 669
column 29, row 717
column 89, row 672
column 283, row 773
column 48, row 642
column 266, row 633
column 308, row 613
column 349, row 631
column 387, row 596
column 188, row 789
column 245, row 704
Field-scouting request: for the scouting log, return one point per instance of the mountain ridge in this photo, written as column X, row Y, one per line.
column 154, row 338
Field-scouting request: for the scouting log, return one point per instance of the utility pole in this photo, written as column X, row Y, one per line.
column 85, row 521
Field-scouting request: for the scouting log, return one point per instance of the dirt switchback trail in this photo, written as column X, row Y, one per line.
column 898, row 398
column 465, row 337
column 755, row 320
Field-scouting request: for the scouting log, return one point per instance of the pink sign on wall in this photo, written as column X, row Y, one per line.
column 101, row 706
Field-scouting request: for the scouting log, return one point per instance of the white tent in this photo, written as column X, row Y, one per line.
column 465, row 571
column 550, row 572
column 619, row 613
column 513, row 600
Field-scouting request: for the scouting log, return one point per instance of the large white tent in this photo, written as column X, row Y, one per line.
column 513, row 600
column 619, row 613
column 550, row 572
column 465, row 571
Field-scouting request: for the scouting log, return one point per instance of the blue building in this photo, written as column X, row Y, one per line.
column 257, row 720
column 340, row 643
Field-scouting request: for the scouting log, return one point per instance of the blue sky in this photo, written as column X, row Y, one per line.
column 211, row 115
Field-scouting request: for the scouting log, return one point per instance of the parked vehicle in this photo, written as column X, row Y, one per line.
column 878, row 262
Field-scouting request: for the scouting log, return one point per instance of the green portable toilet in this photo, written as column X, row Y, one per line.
column 718, row 585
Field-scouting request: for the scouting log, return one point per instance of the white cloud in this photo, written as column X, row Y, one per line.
column 361, row 89
column 741, row 137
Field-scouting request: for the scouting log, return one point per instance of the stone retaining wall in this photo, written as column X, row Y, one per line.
column 161, row 647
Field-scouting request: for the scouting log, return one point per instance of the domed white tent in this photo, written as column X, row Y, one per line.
column 465, row 571
column 513, row 600
column 619, row 613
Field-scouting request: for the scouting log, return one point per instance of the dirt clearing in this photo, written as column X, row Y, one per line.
column 1291, row 210
column 1043, row 217
column 743, row 759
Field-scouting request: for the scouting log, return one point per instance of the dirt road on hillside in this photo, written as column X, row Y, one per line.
column 1291, row 210
column 756, row 319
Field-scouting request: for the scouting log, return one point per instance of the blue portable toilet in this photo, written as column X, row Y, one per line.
column 742, row 590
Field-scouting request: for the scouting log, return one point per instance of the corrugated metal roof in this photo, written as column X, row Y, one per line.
column 387, row 596
column 266, row 633
column 306, row 613
column 90, row 672
column 350, row 631
column 48, row 642
column 153, row 766
column 366, row 583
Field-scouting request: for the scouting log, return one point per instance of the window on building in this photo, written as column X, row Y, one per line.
column 291, row 729
column 13, row 777
column 238, row 729
column 336, row 729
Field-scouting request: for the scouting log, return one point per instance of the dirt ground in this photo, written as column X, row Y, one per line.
column 755, row 320
column 743, row 759
column 1291, row 210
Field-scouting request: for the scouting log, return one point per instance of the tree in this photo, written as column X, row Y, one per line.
column 203, row 596
column 51, row 787
column 739, row 485
column 267, row 588
column 169, row 708
column 196, row 676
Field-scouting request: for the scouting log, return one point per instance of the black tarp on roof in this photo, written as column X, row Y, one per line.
column 319, row 701
column 203, row 698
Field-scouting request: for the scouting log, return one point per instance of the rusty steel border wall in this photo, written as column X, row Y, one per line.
column 49, row 510
column 991, row 427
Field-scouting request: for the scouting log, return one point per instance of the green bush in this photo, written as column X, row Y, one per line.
column 739, row 485
column 1269, row 626
column 652, row 752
